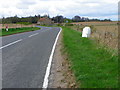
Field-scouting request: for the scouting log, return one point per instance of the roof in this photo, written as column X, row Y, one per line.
column 42, row 19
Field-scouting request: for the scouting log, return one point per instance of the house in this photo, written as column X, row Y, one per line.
column 45, row 21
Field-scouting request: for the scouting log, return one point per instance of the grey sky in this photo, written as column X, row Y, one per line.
column 69, row 8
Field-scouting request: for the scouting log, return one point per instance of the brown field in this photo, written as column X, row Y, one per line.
column 107, row 34
column 15, row 25
column 96, row 23
column 104, row 32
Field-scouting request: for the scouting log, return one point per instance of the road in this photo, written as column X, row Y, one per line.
column 25, row 57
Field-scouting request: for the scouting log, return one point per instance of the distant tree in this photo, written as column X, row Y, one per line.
column 14, row 19
column 76, row 19
column 34, row 19
column 48, row 16
column 58, row 19
column 67, row 20
column 106, row 20
column 94, row 20
column 38, row 16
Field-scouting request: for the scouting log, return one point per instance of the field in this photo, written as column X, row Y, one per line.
column 107, row 34
column 11, row 31
column 16, row 28
column 104, row 32
column 92, row 64
column 97, row 23
column 16, row 25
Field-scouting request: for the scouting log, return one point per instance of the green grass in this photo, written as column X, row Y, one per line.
column 93, row 65
column 17, row 30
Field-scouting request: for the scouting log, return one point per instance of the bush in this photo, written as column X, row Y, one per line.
column 25, row 23
column 68, row 24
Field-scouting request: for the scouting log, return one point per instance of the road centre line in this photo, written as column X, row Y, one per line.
column 45, row 83
column 33, row 35
column 10, row 43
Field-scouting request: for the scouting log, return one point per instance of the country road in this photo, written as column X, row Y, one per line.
column 25, row 57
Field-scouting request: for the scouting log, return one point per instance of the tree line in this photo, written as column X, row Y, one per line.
column 61, row 19
column 56, row 19
column 16, row 19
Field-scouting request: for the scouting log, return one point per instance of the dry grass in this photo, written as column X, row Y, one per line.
column 15, row 25
column 96, row 23
column 107, row 34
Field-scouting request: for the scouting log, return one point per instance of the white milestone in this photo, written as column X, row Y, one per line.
column 86, row 32
column 7, row 29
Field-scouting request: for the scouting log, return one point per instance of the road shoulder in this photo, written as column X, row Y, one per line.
column 61, row 75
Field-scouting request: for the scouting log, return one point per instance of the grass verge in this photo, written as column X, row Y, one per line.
column 17, row 30
column 93, row 65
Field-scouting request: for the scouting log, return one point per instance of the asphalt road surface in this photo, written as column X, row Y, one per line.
column 25, row 57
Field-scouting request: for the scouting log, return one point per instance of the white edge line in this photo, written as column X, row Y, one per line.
column 10, row 43
column 45, row 83
column 33, row 34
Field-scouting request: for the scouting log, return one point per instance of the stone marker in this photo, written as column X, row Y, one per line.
column 7, row 28
column 86, row 32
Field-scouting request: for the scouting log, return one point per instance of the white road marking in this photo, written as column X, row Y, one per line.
column 33, row 34
column 45, row 83
column 11, row 44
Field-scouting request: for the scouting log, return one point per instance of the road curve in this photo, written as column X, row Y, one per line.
column 25, row 57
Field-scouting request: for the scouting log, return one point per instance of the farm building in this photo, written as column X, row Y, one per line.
column 45, row 21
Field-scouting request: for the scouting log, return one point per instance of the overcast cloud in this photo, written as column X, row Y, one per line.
column 69, row 8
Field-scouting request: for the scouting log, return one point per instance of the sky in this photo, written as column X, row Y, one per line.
column 100, row 9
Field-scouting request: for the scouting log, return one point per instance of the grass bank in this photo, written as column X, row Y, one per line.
column 17, row 30
column 93, row 65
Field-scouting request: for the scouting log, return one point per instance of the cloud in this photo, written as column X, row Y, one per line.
column 68, row 8
column 24, row 4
